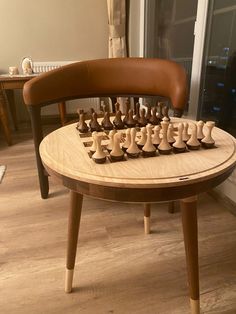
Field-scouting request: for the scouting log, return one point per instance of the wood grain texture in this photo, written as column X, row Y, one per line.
column 120, row 270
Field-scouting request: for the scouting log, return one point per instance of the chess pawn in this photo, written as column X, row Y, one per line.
column 82, row 126
column 133, row 151
column 154, row 119
column 156, row 140
column 186, row 136
column 164, row 147
column 118, row 123
column 94, row 125
column 200, row 134
column 170, row 134
column 142, row 121
column 148, row 113
column 143, row 138
column 106, row 122
column 149, row 150
column 127, row 140
column 130, row 122
column 165, row 111
column 208, row 141
column 94, row 145
column 117, row 153
column 99, row 156
column 111, row 141
column 179, row 146
column 193, row 143
column 137, row 115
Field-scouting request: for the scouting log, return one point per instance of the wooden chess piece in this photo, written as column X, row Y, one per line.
column 111, row 140
column 117, row 106
column 82, row 126
column 164, row 147
column 179, row 146
column 149, row 150
column 91, row 113
column 137, row 114
column 165, row 112
column 118, row 123
column 185, row 135
column 208, row 141
column 148, row 113
column 142, row 121
column 130, row 122
column 117, row 153
column 133, row 151
column 156, row 140
column 99, row 156
column 127, row 108
column 170, row 134
column 94, row 145
column 193, row 143
column 159, row 110
column 154, row 120
column 94, row 125
column 143, row 138
column 127, row 142
column 200, row 134
column 106, row 122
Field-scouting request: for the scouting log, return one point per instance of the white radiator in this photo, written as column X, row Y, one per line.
column 73, row 105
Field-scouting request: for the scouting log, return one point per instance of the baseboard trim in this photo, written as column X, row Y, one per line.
column 224, row 200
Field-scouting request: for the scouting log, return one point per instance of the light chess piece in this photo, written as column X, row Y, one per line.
column 185, row 135
column 193, row 143
column 133, row 151
column 117, row 153
column 99, row 156
column 156, row 140
column 170, row 134
column 208, row 141
column 111, row 140
column 143, row 138
column 179, row 145
column 127, row 142
column 164, row 147
column 149, row 150
column 94, row 145
column 200, row 134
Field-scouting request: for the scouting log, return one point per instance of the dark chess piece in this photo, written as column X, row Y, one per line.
column 117, row 106
column 142, row 121
column 130, row 122
column 91, row 113
column 82, row 126
column 95, row 126
column 160, row 105
column 127, row 108
column 154, row 120
column 118, row 123
column 106, row 122
column 165, row 111
column 148, row 114
column 137, row 115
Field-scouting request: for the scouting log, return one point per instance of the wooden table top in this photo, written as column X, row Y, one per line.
column 18, row 77
column 63, row 152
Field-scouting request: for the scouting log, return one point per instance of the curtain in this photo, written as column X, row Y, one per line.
column 117, row 30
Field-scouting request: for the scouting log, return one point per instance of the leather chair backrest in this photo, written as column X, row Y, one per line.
column 110, row 77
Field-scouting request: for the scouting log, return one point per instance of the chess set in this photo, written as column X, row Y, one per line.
column 148, row 133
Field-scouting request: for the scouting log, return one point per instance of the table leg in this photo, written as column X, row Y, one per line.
column 76, row 201
column 12, row 107
column 190, row 231
column 62, row 111
column 147, row 214
column 4, row 118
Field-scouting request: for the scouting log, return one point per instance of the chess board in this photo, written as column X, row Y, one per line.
column 87, row 141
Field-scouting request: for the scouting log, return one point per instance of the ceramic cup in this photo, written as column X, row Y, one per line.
column 13, row 71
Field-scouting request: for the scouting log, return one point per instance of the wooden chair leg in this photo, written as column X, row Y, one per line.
column 62, row 111
column 190, row 231
column 4, row 118
column 76, row 201
column 35, row 116
column 147, row 214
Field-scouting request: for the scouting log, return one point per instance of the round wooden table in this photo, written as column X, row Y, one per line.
column 143, row 180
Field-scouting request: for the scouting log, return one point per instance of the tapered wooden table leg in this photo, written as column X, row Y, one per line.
column 76, row 201
column 190, row 230
column 147, row 214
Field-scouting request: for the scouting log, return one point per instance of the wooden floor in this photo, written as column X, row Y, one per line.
column 119, row 269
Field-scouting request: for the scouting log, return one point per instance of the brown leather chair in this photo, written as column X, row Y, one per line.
column 98, row 78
